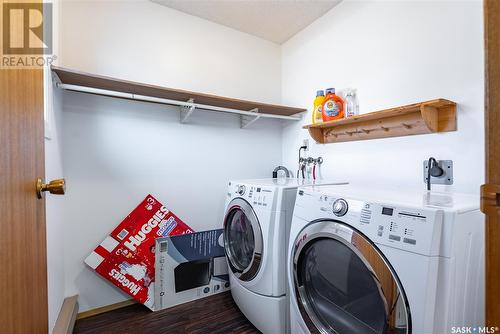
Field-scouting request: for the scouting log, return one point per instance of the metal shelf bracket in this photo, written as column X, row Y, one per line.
column 186, row 111
column 246, row 120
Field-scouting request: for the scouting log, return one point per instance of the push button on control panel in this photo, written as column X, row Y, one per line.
column 410, row 241
column 380, row 230
column 394, row 237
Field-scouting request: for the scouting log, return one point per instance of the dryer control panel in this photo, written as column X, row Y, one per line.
column 414, row 229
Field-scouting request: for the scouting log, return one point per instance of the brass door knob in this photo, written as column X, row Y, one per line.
column 56, row 187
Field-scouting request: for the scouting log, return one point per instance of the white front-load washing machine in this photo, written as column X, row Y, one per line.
column 372, row 261
column 256, row 228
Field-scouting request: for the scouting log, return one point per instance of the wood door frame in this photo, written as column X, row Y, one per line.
column 490, row 198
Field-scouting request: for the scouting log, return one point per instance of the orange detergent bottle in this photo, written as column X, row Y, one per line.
column 333, row 106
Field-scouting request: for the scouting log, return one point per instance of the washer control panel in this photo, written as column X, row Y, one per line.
column 255, row 195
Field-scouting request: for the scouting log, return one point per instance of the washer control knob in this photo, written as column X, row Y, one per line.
column 340, row 207
column 241, row 190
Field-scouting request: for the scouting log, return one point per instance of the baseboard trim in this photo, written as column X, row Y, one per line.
column 105, row 309
column 67, row 316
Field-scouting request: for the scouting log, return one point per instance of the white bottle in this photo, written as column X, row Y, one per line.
column 351, row 104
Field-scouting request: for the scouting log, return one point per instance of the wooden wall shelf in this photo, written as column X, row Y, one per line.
column 188, row 101
column 419, row 118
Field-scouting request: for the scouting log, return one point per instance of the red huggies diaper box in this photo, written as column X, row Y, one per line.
column 126, row 257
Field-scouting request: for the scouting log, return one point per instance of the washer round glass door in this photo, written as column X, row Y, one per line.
column 242, row 239
column 344, row 284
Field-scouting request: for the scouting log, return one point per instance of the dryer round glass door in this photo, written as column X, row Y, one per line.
column 242, row 239
column 344, row 284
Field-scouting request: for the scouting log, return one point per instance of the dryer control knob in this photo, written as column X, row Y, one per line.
column 340, row 207
column 241, row 190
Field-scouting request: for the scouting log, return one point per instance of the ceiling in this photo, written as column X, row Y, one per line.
column 273, row 20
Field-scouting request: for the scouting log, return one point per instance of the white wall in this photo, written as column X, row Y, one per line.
column 394, row 52
column 143, row 41
column 115, row 152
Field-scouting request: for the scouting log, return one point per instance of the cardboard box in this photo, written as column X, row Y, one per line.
column 126, row 257
column 189, row 267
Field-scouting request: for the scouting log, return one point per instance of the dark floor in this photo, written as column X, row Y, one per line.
column 215, row 314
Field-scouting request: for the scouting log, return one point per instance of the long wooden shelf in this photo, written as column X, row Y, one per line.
column 419, row 118
column 98, row 83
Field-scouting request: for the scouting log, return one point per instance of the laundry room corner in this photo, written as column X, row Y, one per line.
column 394, row 53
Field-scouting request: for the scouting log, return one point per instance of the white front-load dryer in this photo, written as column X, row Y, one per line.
column 373, row 261
column 257, row 221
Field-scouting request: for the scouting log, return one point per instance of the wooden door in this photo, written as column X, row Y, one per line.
column 490, row 192
column 23, row 268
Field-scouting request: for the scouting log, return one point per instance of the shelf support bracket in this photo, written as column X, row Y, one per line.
column 186, row 111
column 246, row 120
